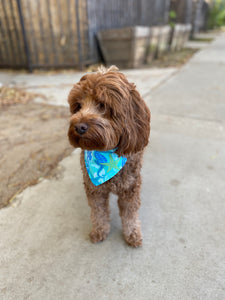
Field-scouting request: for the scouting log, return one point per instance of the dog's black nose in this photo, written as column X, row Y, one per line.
column 81, row 128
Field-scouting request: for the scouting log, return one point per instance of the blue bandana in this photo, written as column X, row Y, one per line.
column 103, row 165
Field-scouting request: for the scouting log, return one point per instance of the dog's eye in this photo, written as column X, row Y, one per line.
column 101, row 106
column 77, row 108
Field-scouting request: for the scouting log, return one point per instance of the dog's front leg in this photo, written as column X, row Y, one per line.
column 129, row 203
column 100, row 215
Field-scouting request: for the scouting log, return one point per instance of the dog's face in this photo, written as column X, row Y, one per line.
column 107, row 113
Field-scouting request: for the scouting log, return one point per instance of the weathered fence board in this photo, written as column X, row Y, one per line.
column 43, row 33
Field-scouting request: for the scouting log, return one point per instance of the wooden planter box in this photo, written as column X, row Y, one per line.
column 176, row 37
column 187, row 32
column 181, row 39
column 180, row 35
column 153, row 43
column 165, row 33
column 124, row 47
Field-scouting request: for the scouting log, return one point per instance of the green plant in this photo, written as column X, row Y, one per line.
column 217, row 14
column 172, row 18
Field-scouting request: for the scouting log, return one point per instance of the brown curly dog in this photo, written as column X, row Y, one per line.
column 109, row 113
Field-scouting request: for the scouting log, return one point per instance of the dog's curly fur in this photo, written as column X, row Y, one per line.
column 116, row 117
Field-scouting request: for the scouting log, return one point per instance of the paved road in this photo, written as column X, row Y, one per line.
column 44, row 246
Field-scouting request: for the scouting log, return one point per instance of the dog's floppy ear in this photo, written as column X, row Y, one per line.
column 136, row 127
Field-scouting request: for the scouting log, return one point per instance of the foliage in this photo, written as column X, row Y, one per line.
column 217, row 14
column 172, row 18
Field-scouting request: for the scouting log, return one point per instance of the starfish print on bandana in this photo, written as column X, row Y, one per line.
column 112, row 164
column 103, row 165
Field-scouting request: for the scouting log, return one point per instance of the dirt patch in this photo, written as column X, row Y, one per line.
column 33, row 140
column 199, row 39
column 169, row 59
column 10, row 96
column 173, row 59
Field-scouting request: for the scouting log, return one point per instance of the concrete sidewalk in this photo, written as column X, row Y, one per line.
column 54, row 87
column 44, row 245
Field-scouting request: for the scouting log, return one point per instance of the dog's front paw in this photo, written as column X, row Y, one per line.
column 97, row 236
column 134, row 239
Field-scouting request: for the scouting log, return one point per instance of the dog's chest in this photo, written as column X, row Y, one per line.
column 123, row 180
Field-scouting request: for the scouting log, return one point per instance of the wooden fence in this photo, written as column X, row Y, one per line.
column 62, row 33
column 43, row 33
column 194, row 12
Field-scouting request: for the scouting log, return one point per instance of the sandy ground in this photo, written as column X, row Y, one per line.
column 33, row 140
